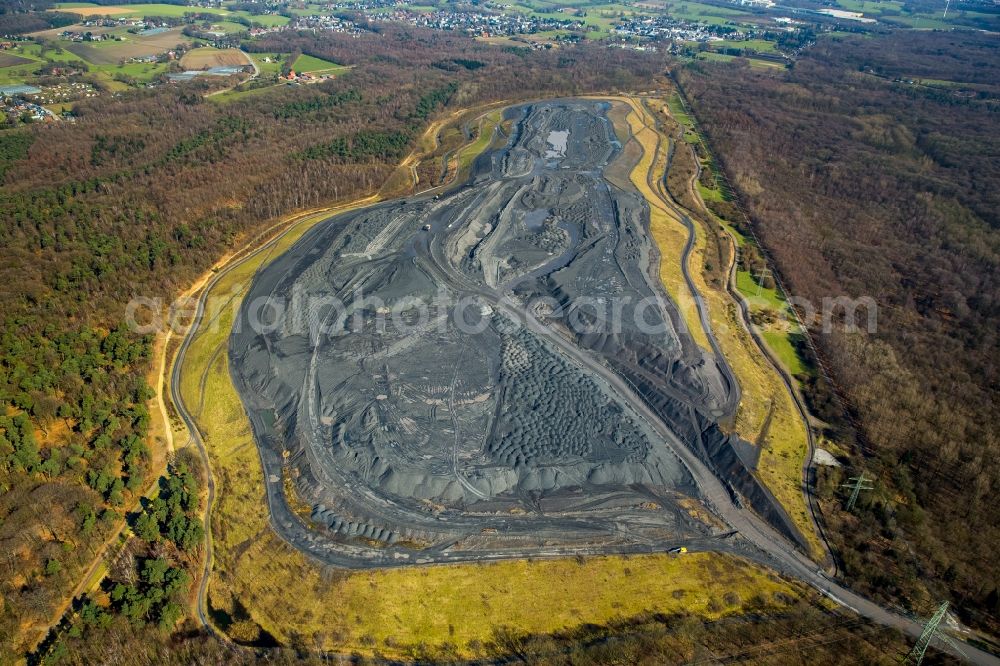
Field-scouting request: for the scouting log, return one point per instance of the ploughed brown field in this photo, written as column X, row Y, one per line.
column 205, row 58
column 10, row 60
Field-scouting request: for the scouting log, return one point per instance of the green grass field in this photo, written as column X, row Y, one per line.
column 231, row 27
column 870, row 8
column 710, row 193
column 778, row 337
column 696, row 11
column 174, row 11
column 921, row 22
column 308, row 64
column 141, row 71
column 758, row 45
column 265, row 20
column 602, row 23
column 39, row 52
column 678, row 113
column 754, row 62
column 151, row 9
column 487, row 125
column 273, row 67
column 780, row 343
column 770, row 298
column 894, row 10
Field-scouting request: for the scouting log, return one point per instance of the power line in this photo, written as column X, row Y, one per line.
column 762, row 275
column 857, row 484
column 916, row 654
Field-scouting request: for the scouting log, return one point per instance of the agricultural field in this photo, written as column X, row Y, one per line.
column 264, row 20
column 131, row 46
column 307, row 64
column 53, row 34
column 868, row 7
column 142, row 10
column 712, row 14
column 756, row 63
column 11, row 60
column 105, row 61
column 228, row 27
column 208, row 57
column 897, row 12
column 759, row 45
column 140, row 71
column 165, row 10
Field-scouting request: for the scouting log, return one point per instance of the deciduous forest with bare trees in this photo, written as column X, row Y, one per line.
column 862, row 182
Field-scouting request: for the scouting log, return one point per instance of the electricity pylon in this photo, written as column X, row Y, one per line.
column 930, row 632
column 761, row 276
column 857, row 484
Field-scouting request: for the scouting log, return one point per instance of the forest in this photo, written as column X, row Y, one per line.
column 862, row 182
column 20, row 16
column 139, row 196
column 148, row 580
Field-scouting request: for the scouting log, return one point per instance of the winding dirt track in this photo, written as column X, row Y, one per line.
column 189, row 421
column 747, row 325
column 777, row 366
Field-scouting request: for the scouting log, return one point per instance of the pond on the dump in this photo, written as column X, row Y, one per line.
column 558, row 140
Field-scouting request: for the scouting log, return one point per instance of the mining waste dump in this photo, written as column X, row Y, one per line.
column 492, row 371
